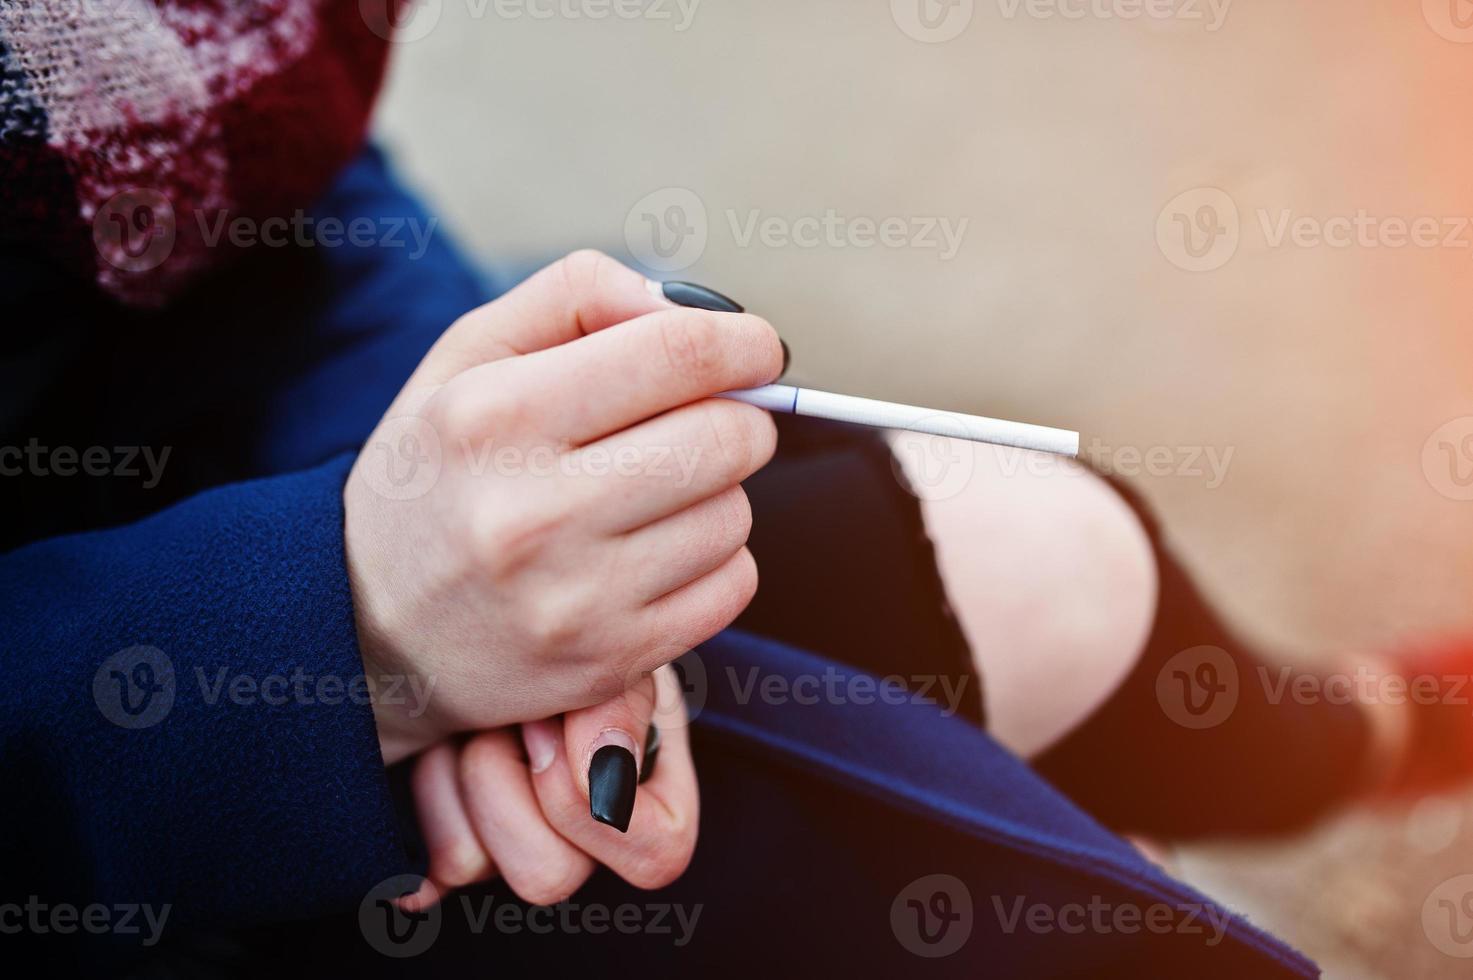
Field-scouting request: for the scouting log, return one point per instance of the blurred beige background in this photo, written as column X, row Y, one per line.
column 1065, row 145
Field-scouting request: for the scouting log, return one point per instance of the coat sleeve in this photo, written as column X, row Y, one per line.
column 186, row 722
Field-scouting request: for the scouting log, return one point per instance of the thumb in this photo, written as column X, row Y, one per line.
column 579, row 294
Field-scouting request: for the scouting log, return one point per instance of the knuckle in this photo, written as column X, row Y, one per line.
column 458, row 864
column 477, row 759
column 733, row 434
column 737, row 590
column 459, row 411
column 663, row 867
column 507, row 545
column 581, row 269
column 772, row 346
column 733, row 519
column 548, row 881
column 743, row 581
column 692, row 343
column 554, row 619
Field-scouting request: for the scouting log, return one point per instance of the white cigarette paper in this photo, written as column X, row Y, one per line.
column 892, row 415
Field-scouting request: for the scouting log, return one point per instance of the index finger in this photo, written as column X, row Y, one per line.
column 605, row 382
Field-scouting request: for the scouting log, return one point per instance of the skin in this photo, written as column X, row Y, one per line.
column 545, row 606
column 552, row 595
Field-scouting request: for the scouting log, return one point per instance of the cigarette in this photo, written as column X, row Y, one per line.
column 892, row 415
column 868, row 411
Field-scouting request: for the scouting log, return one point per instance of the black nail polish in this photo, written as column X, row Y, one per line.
column 787, row 356
column 611, row 786
column 651, row 753
column 699, row 297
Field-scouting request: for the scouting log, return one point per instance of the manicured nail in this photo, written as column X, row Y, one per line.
column 701, row 298
column 613, row 780
column 651, row 753
column 540, row 739
column 698, row 297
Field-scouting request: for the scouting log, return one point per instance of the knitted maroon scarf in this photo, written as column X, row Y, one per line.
column 128, row 128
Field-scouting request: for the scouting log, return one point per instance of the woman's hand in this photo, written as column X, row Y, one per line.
column 485, row 808
column 551, row 507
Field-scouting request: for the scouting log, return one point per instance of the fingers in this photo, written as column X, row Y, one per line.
column 688, row 545
column 695, row 612
column 581, row 293
column 684, row 457
column 606, row 381
column 457, row 857
column 537, row 863
column 661, row 833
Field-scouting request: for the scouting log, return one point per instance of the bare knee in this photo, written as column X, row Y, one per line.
column 1051, row 576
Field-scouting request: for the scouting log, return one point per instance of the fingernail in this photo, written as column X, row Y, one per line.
column 787, row 356
column 540, row 739
column 698, row 297
column 612, row 780
column 651, row 753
